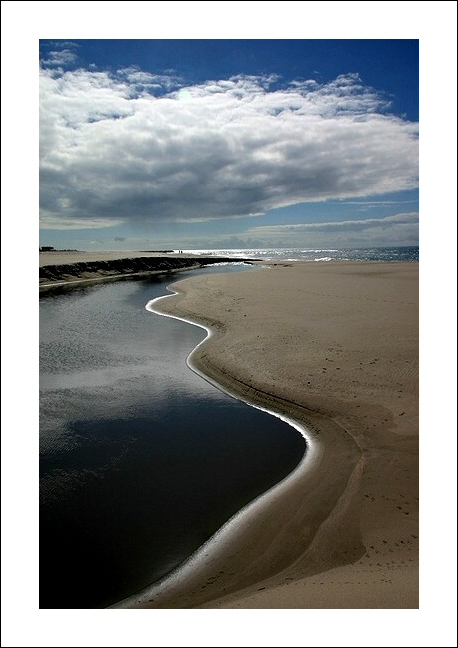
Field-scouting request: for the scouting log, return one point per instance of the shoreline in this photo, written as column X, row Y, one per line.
column 200, row 564
column 315, row 542
column 185, row 586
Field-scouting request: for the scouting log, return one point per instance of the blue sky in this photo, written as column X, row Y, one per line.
column 191, row 144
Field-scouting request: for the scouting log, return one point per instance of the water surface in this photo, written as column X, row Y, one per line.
column 141, row 460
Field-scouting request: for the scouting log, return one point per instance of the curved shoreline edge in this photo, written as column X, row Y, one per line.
column 202, row 562
column 333, row 347
column 223, row 565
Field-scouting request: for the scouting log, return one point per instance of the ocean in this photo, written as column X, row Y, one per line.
column 317, row 254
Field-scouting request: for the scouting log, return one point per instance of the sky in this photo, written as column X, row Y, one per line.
column 150, row 144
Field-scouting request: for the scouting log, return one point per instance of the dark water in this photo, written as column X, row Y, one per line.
column 141, row 460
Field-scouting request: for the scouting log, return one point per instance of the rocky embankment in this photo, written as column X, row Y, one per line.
column 52, row 275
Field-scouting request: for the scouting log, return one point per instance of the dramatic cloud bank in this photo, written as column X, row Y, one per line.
column 137, row 147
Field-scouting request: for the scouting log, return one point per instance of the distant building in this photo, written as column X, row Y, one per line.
column 46, row 248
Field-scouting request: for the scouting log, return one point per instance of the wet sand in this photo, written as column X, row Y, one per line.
column 333, row 346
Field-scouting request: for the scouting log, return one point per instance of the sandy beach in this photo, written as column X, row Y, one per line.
column 334, row 346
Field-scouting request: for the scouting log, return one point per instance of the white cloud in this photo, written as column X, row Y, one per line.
column 397, row 229
column 226, row 148
column 63, row 223
column 61, row 57
column 149, row 81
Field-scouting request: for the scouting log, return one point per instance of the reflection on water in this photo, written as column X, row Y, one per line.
column 141, row 460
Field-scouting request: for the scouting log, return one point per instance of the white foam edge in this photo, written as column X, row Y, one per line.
column 210, row 550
